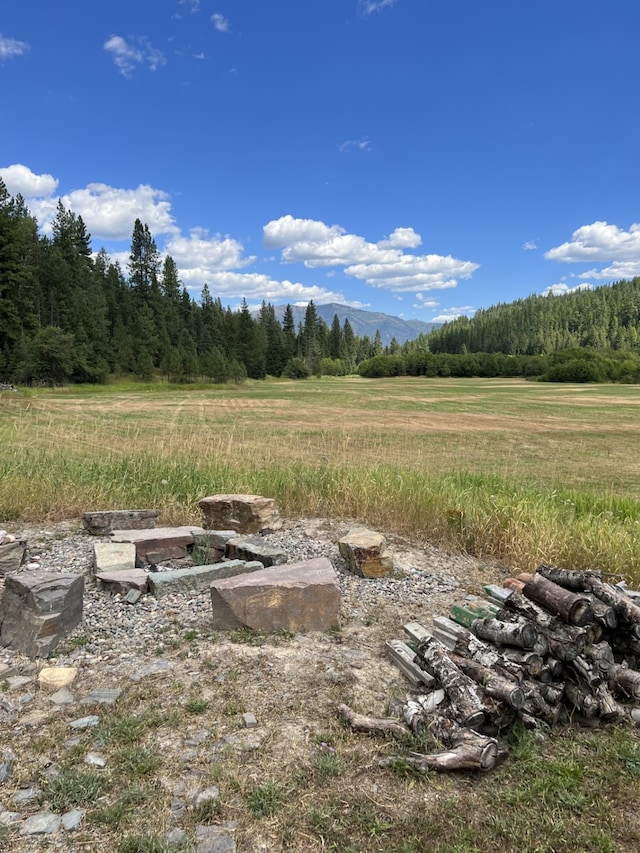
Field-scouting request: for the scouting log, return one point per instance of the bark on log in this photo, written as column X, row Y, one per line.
column 468, row 751
column 577, row 581
column 468, row 645
column 625, row 607
column 572, row 608
column 489, row 680
column 585, row 703
column 521, row 633
column 372, row 725
column 624, row 681
column 460, row 689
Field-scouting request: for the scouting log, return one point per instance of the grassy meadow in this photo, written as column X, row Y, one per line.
column 518, row 472
column 515, row 471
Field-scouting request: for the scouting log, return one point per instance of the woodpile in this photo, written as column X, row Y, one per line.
column 546, row 649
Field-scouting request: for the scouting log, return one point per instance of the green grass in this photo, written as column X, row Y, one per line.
column 520, row 472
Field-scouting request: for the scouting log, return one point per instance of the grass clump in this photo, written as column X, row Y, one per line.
column 75, row 786
column 265, row 799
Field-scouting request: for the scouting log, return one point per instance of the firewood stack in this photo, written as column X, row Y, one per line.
column 545, row 649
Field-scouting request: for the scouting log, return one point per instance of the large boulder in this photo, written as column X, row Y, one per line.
column 302, row 596
column 38, row 609
column 365, row 553
column 242, row 513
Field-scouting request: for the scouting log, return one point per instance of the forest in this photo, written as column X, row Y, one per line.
column 68, row 315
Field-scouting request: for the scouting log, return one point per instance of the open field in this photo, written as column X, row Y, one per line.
column 508, row 471
column 520, row 472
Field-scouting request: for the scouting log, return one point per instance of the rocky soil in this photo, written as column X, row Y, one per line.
column 166, row 656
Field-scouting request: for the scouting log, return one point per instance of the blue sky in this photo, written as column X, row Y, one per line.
column 424, row 158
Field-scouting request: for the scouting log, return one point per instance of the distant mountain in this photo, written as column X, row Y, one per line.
column 365, row 322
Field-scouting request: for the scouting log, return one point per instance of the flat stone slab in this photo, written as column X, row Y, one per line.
column 161, row 543
column 114, row 556
column 197, row 578
column 255, row 548
column 365, row 553
column 303, row 596
column 104, row 522
column 242, row 513
column 121, row 582
column 56, row 677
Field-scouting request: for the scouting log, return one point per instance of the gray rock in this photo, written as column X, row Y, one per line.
column 197, row 578
column 255, row 548
column 211, row 793
column 175, row 838
column 25, row 795
column 122, row 581
column 214, row 839
column 249, row 721
column 9, row 818
column 85, row 722
column 5, row 771
column 43, row 823
column 95, row 759
column 102, row 696
column 12, row 555
column 62, row 697
column 38, row 609
column 72, row 820
column 154, row 667
column 102, row 523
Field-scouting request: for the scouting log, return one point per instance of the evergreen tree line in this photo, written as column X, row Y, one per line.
column 66, row 316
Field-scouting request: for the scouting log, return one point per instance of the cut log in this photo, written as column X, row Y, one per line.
column 372, row 725
column 460, row 689
column 585, row 703
column 624, row 681
column 492, row 684
column 627, row 609
column 572, row 608
column 576, row 581
column 521, row 634
column 467, row 644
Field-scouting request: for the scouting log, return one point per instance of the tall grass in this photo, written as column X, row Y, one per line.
column 66, row 454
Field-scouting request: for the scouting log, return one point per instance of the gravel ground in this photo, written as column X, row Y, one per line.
column 292, row 685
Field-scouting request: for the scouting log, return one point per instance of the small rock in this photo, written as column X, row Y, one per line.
column 25, row 795
column 72, row 820
column 249, row 721
column 85, row 722
column 55, row 677
column 94, row 759
column 62, row 697
column 43, row 823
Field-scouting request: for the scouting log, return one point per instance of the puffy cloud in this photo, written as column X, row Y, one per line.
column 20, row 179
column 220, row 23
column 602, row 242
column 256, row 286
column 599, row 242
column 208, row 254
column 11, row 47
column 382, row 265
column 530, row 245
column 128, row 55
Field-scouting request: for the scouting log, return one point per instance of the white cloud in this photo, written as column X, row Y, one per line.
column 369, row 6
column 382, row 265
column 599, row 242
column 530, row 245
column 201, row 252
column 354, row 145
column 236, row 285
column 220, row 23
column 128, row 55
column 12, row 47
column 422, row 302
column 561, row 289
column 602, row 242
column 20, row 179
column 193, row 5
column 452, row 314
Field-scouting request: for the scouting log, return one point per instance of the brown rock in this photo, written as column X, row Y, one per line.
column 302, row 596
column 162, row 543
column 242, row 513
column 365, row 553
